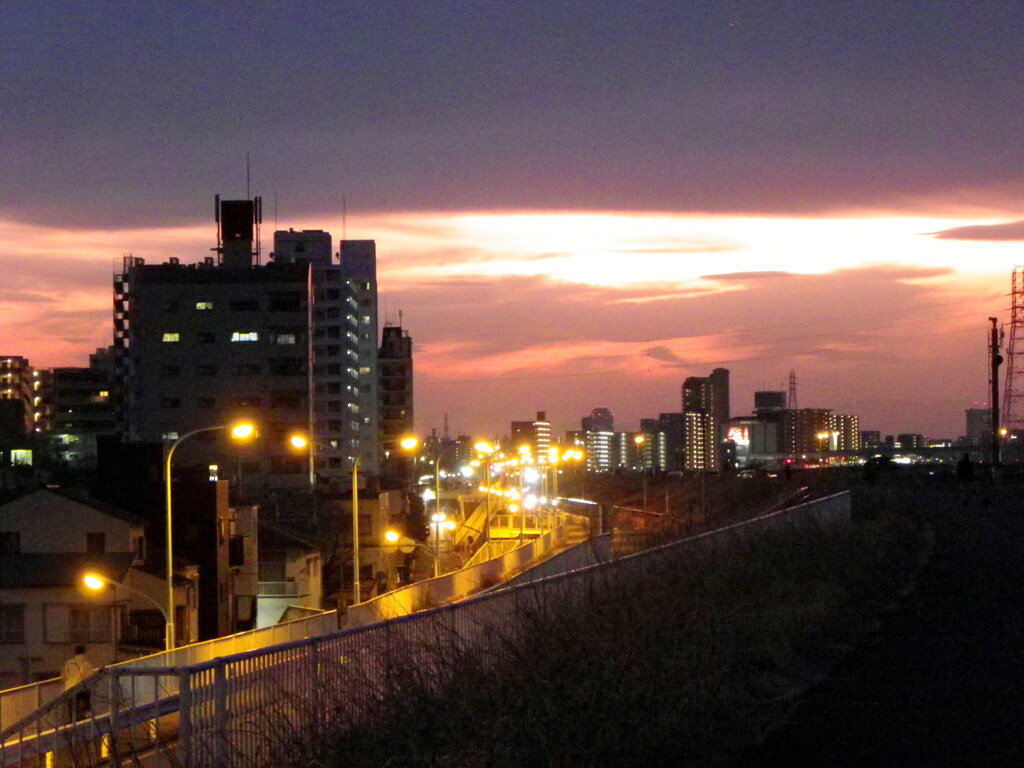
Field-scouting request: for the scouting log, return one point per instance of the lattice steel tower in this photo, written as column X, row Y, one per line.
column 1013, row 393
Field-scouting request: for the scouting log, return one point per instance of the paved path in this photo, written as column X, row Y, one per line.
column 941, row 683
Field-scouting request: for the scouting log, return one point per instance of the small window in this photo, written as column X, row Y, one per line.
column 285, row 338
column 170, row 306
column 248, row 369
column 245, row 336
column 12, row 623
column 204, row 305
column 95, row 543
column 248, row 401
column 206, row 337
column 172, row 337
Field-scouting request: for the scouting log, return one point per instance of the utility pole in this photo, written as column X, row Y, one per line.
column 996, row 360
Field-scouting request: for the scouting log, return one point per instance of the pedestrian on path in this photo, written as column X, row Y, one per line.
column 76, row 669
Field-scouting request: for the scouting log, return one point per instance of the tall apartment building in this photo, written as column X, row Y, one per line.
column 290, row 345
column 706, row 401
column 396, row 404
column 803, row 430
column 18, row 397
column 978, row 426
column 536, row 434
column 598, row 440
column 396, row 387
column 79, row 406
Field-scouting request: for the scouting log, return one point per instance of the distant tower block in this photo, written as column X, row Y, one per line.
column 1013, row 394
column 791, row 400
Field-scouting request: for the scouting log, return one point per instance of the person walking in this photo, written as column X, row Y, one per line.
column 76, row 669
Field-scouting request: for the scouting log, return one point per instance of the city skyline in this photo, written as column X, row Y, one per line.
column 571, row 208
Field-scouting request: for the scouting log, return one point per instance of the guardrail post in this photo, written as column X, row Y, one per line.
column 185, row 718
column 114, row 682
column 220, row 713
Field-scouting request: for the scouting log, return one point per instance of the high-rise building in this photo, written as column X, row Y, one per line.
column 598, row 436
column 536, row 434
column 396, row 401
column 698, row 439
column 290, row 345
column 708, row 395
column 802, row 428
column 18, row 397
column 979, row 426
column 80, row 407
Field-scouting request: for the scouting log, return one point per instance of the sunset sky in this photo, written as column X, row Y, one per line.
column 575, row 204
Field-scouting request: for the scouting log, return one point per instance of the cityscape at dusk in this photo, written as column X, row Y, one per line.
column 572, row 207
column 511, row 383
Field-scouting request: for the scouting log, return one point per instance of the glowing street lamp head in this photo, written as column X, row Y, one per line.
column 409, row 443
column 483, row 447
column 243, row 430
column 392, row 536
column 298, row 442
column 639, row 439
column 92, row 581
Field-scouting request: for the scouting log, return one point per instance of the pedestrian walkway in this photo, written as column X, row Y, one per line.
column 940, row 683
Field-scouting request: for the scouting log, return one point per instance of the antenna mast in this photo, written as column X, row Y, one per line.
column 1013, row 393
column 791, row 400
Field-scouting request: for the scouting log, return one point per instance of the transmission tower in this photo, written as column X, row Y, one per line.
column 791, row 400
column 1013, row 392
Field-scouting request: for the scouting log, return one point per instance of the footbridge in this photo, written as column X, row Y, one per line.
column 225, row 704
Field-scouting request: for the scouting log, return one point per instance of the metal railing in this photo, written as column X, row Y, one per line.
column 249, row 708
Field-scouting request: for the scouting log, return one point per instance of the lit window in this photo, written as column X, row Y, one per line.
column 172, row 337
column 245, row 336
column 285, row 338
column 204, row 305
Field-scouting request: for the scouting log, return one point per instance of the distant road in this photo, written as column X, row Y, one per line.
column 941, row 683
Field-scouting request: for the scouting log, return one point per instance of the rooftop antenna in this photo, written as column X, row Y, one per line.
column 791, row 400
column 399, row 318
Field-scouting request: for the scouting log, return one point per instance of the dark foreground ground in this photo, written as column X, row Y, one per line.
column 941, row 681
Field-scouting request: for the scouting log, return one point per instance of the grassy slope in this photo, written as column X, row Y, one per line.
column 680, row 667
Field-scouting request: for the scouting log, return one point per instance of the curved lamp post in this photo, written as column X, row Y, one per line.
column 97, row 581
column 241, row 431
column 437, row 475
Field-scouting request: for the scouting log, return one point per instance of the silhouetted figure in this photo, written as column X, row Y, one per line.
column 76, row 669
column 964, row 470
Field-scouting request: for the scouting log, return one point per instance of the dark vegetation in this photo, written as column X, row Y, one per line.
column 684, row 664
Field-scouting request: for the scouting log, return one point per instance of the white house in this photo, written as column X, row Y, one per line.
column 48, row 542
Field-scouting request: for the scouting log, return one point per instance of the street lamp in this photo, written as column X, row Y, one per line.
column 640, row 440
column 823, row 437
column 408, row 444
column 486, row 449
column 97, row 581
column 240, row 431
column 437, row 475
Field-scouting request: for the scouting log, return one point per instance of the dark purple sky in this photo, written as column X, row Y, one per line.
column 126, row 112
